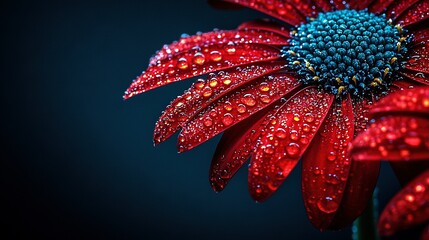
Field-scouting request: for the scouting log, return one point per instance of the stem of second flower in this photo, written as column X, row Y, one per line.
column 365, row 226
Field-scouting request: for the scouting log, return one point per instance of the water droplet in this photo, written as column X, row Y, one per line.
column 413, row 141
column 215, row 56
column 241, row 108
column 230, row 48
column 264, row 98
column 309, row 117
column 199, row 58
column 332, row 156
column 208, row 122
column 327, row 205
column 294, row 135
column 264, row 87
column 293, row 149
column 404, row 153
column 269, row 149
column 419, row 188
column 227, row 106
column 296, row 118
column 207, row 92
column 249, row 100
column 227, row 119
column 332, row 179
column 213, row 82
column 200, row 83
column 182, row 63
column 227, row 81
column 281, row 133
column 409, row 198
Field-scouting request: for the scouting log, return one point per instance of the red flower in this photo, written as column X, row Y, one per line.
column 400, row 133
column 298, row 89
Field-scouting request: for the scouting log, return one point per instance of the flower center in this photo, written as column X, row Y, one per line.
column 347, row 52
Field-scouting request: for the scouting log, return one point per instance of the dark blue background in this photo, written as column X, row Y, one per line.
column 78, row 161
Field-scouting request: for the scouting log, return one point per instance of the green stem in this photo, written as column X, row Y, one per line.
column 365, row 226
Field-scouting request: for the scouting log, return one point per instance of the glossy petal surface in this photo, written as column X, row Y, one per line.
column 235, row 147
column 266, row 25
column 399, row 7
column 408, row 208
column 360, row 186
column 415, row 14
column 284, row 140
column 325, row 167
column 234, row 108
column 204, row 92
column 242, row 36
column 412, row 102
column 378, row 6
column 198, row 61
column 394, row 139
column 275, row 8
column 418, row 58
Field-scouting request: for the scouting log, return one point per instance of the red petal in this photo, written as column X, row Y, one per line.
column 418, row 57
column 199, row 61
column 306, row 7
column 394, row 138
column 203, row 93
column 416, row 13
column 275, row 8
column 235, row 147
column 285, row 139
column 398, row 7
column 417, row 77
column 378, row 6
column 325, row 5
column 339, row 4
column 360, row 110
column 408, row 208
column 235, row 107
column 266, row 25
column 325, row 166
column 425, row 233
column 420, row 35
column 413, row 101
column 360, row 186
column 242, row 36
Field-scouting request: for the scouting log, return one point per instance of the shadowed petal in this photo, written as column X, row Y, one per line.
column 413, row 102
column 394, row 138
column 378, row 6
column 415, row 14
column 267, row 25
column 408, row 208
column 235, row 107
column 325, row 5
column 339, row 4
column 284, row 140
column 360, row 186
column 398, row 7
column 418, row 59
column 235, row 147
column 204, row 92
column 417, row 77
column 420, row 35
column 198, row 61
column 325, row 166
column 276, row 8
column 241, row 36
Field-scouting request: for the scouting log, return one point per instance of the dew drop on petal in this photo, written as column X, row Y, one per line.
column 281, row 133
column 249, row 100
column 241, row 108
column 199, row 58
column 293, row 149
column 227, row 119
column 413, row 141
column 182, row 63
column 215, row 56
column 327, row 205
column 207, row 92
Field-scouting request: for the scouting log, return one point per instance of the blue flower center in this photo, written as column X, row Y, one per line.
column 347, row 52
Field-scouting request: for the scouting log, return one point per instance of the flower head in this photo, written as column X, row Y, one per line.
column 289, row 90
